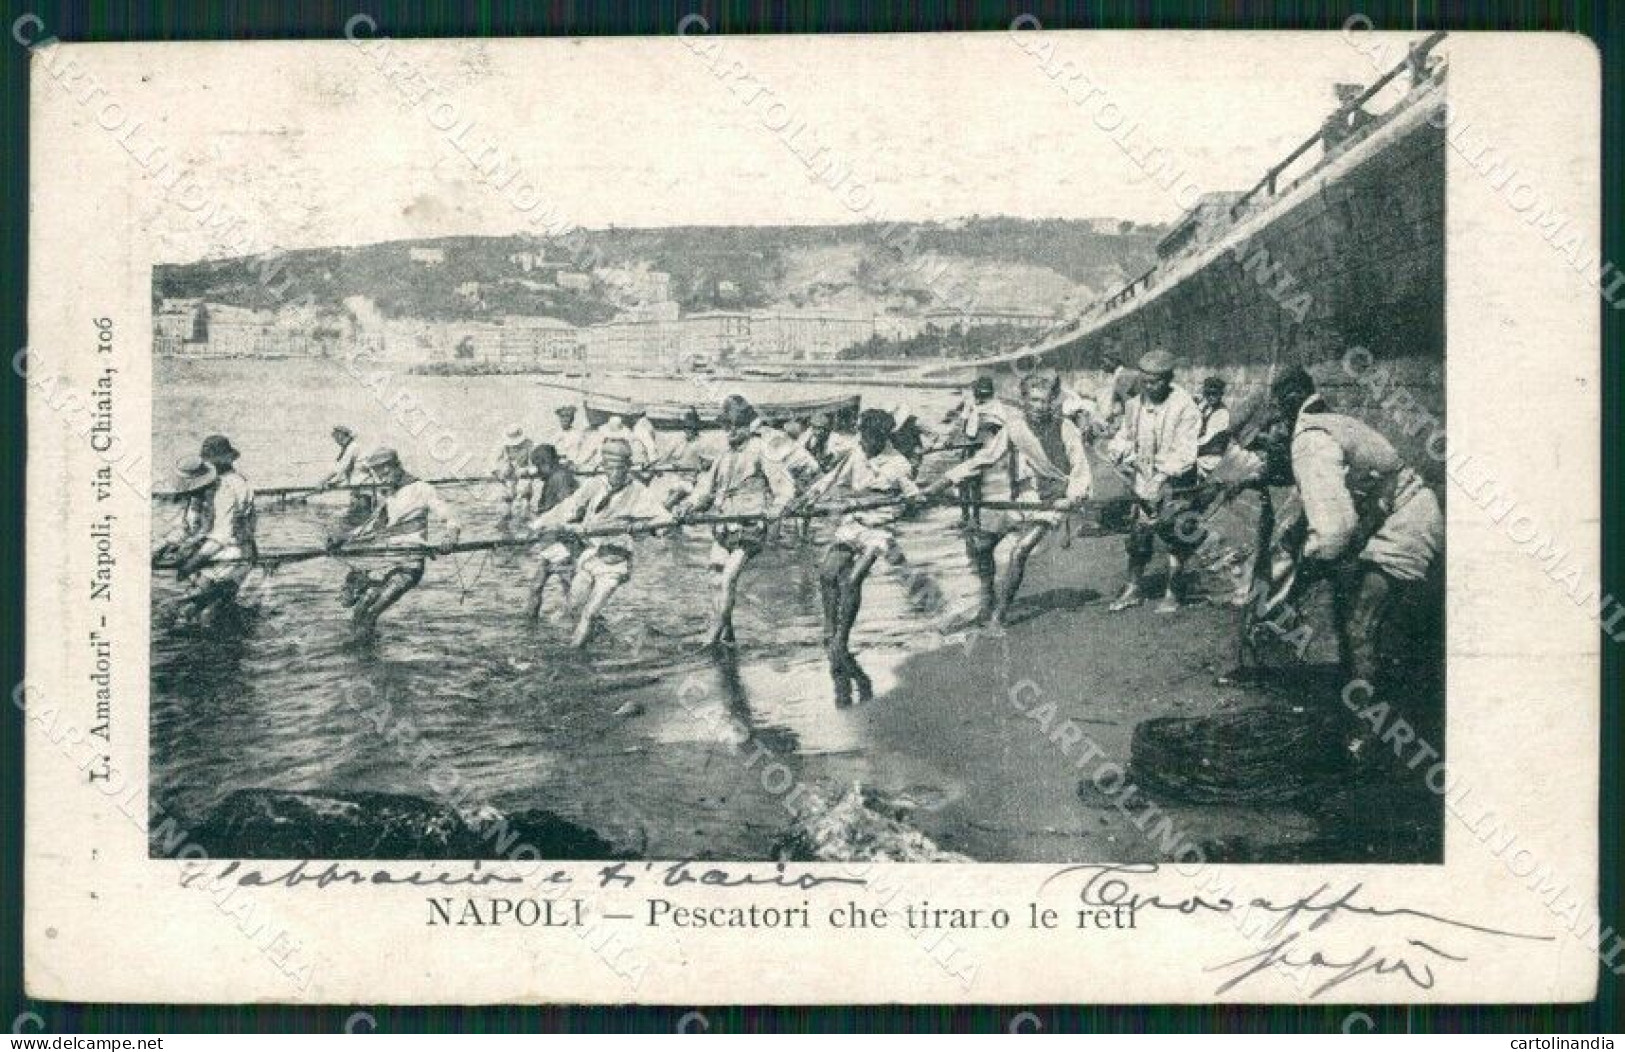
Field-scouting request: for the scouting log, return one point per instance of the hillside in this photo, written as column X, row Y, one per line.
column 1001, row 264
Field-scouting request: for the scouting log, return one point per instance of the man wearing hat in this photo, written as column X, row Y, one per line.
column 217, row 560
column 743, row 480
column 964, row 416
column 1156, row 449
column 684, row 458
column 512, row 469
column 403, row 521
column 347, row 471
column 568, row 437
column 596, row 567
column 618, row 426
column 1374, row 528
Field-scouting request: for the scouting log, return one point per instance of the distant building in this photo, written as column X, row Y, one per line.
column 428, row 257
column 574, row 281
column 975, row 319
column 804, row 335
column 528, row 261
column 530, row 340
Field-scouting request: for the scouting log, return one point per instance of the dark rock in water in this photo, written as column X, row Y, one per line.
column 270, row 823
column 1268, row 754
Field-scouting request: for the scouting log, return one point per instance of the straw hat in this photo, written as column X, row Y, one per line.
column 190, row 475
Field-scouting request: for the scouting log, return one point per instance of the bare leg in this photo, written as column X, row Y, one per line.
column 599, row 590
column 851, row 603
column 831, row 579
column 538, row 590
column 379, row 599
column 722, row 626
column 982, row 548
column 1170, row 593
column 1020, row 552
column 1141, row 544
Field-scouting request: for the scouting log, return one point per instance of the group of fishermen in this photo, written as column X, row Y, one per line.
column 584, row 495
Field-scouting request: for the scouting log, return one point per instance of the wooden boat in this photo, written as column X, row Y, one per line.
column 668, row 415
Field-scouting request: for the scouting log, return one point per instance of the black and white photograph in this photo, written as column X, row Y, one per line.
column 1022, row 517
column 713, row 507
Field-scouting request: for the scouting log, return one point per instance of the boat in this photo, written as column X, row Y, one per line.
column 668, row 415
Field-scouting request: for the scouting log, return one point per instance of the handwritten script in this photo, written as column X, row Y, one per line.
column 1320, row 940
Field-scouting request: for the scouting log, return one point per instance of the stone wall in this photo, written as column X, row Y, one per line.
column 1352, row 256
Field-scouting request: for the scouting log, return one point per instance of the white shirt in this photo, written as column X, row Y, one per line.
column 345, row 466
column 1158, row 441
column 232, row 518
column 406, row 513
column 859, row 475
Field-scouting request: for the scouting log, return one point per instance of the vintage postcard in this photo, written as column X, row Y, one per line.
column 1024, row 517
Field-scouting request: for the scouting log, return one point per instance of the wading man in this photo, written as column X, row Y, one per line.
column 555, row 482
column 602, row 564
column 218, row 547
column 871, row 472
column 743, row 480
column 403, row 521
column 1036, row 457
column 346, row 473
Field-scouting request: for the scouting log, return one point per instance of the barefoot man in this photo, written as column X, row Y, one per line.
column 874, row 469
column 603, row 563
column 743, row 480
column 1035, row 458
column 217, row 546
column 1157, row 446
column 402, row 521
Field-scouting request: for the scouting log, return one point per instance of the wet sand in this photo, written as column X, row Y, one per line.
column 994, row 771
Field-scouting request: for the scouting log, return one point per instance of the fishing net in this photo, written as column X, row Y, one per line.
column 1266, row 754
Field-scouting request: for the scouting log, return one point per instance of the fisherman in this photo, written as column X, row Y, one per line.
column 1122, row 384
column 816, row 439
column 1156, row 447
column 512, row 469
column 216, row 557
column 843, row 432
column 964, row 417
column 555, row 483
column 568, row 438
column 1035, row 457
column 875, row 469
column 603, row 563
column 1374, row 528
column 687, row 452
column 1214, row 437
column 616, row 427
column 906, row 437
column 402, row 521
column 791, row 454
column 346, row 473
column 743, row 480
column 645, row 445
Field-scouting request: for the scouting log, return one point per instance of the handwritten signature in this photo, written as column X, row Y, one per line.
column 1290, row 927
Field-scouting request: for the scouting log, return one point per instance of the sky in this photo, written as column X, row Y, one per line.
column 309, row 145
